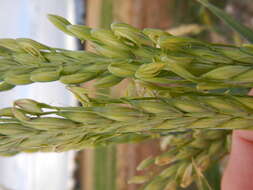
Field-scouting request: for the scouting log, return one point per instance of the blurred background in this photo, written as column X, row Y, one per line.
column 103, row 168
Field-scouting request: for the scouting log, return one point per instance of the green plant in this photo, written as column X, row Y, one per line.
column 180, row 89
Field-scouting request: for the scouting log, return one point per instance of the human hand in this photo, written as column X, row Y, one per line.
column 239, row 172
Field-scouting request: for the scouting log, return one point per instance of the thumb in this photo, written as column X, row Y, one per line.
column 239, row 172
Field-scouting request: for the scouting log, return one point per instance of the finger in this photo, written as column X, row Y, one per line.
column 251, row 92
column 239, row 172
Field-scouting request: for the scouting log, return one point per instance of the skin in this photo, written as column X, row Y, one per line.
column 239, row 172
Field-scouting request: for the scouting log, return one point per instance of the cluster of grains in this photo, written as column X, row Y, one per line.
column 177, row 77
column 188, row 157
column 32, row 126
column 123, row 51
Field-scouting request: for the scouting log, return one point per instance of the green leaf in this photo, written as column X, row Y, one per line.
column 234, row 24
